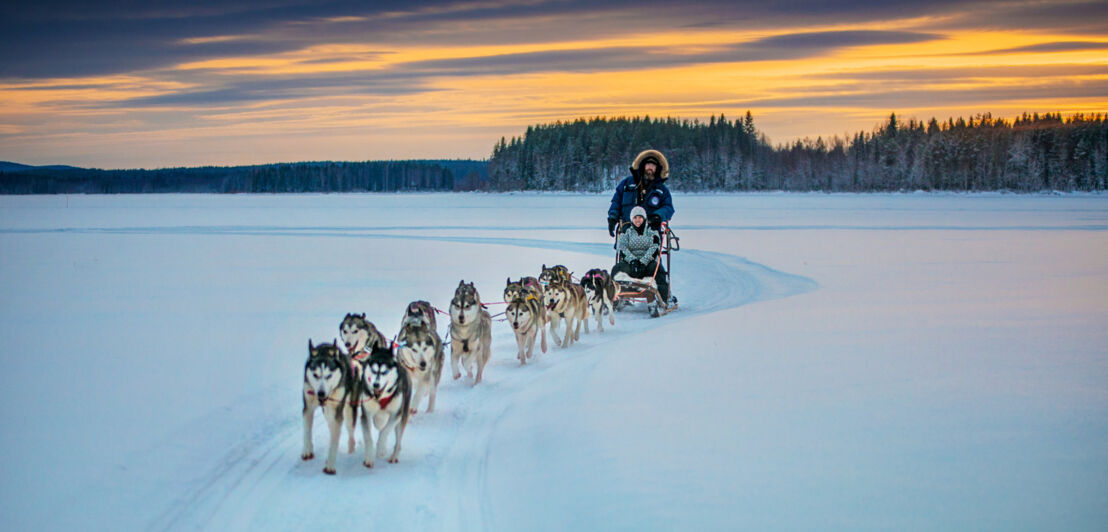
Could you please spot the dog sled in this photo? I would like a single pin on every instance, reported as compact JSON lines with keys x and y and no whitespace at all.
{"x":632,"y":290}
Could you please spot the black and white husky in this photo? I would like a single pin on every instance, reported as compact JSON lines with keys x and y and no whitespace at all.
{"x":600,"y":290}
{"x":420,"y":351}
{"x":525,"y":315}
{"x":326,"y":384}
{"x":386,"y":395}
{"x":359,"y":335}
{"x":470,"y":332}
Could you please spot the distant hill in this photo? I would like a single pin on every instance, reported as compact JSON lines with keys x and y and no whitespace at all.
{"x":7,"y":166}
{"x":314,"y":176}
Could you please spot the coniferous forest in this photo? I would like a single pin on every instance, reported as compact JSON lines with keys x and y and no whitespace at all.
{"x":1032,"y":153}
{"x":368,"y":176}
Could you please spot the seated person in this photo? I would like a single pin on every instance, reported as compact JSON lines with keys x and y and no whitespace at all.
{"x":638,"y":247}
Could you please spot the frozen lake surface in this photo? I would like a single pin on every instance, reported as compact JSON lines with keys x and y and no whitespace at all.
{"x":839,"y":362}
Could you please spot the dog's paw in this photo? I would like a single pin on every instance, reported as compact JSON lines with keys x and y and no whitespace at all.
{"x":307,"y":456}
{"x":329,"y":470}
{"x":394,"y":460}
{"x":411,"y":411}
{"x":457,"y":376}
{"x":368,"y":464}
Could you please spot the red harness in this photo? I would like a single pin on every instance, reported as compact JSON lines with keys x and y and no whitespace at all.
{"x":383,"y":402}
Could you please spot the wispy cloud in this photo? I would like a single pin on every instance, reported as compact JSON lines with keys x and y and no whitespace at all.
{"x":188,"y":81}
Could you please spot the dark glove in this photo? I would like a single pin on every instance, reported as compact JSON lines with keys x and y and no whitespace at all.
{"x":612,"y":222}
{"x":655,"y":221}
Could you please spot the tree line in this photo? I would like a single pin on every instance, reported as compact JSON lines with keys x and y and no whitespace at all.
{"x":368,"y":176}
{"x":1031,"y":153}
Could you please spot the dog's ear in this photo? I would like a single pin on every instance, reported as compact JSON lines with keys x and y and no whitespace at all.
{"x":544,"y":266}
{"x":509,"y":281}
{"x":310,"y":347}
{"x":335,"y":342}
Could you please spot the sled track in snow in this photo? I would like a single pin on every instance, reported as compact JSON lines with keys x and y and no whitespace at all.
{"x":441,"y":480}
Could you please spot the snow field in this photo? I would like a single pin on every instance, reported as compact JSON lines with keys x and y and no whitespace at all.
{"x":911,"y":362}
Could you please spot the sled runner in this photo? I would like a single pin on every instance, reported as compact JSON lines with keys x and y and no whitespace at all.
{"x":645,"y":289}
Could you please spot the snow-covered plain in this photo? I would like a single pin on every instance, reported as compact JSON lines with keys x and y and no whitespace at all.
{"x":891,"y":362}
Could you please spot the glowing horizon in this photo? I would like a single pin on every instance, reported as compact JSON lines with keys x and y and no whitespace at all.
{"x":449,"y":80}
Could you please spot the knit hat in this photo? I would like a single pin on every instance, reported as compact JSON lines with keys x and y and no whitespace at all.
{"x":638,"y":211}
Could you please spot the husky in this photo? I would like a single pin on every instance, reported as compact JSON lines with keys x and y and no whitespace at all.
{"x":525,"y":315}
{"x":523,"y":287}
{"x":387,"y":395}
{"x":554,"y":273}
{"x":359,"y":336}
{"x":470,"y":332}
{"x":566,"y":300}
{"x":419,"y":350}
{"x":419,"y":312}
{"x":600,"y":291}
{"x":327,"y":383}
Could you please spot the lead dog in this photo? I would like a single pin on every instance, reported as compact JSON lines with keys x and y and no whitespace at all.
{"x":566,"y":301}
{"x":420,"y":352}
{"x":326,"y":384}
{"x":470,"y":332}
{"x":387,"y":393}
{"x":600,"y":290}
{"x":525,"y":315}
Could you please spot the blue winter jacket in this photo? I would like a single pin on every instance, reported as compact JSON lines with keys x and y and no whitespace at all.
{"x":656,"y":200}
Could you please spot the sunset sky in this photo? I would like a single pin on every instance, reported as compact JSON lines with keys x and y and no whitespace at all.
{"x":152,"y":83}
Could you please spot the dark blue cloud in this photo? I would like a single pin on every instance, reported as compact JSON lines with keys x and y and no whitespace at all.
{"x":70,"y":38}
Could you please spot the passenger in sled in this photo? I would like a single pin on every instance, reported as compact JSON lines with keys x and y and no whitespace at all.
{"x":638,"y":248}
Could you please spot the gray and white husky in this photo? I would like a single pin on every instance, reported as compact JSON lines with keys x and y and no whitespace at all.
{"x":359,"y":335}
{"x":419,"y":312}
{"x":386,"y":395}
{"x":565,"y":301}
{"x":522,"y":287}
{"x":525,"y":315}
{"x":420,"y":352}
{"x":600,"y":290}
{"x":553,"y":274}
{"x":327,"y":384}
{"x":470,"y":332}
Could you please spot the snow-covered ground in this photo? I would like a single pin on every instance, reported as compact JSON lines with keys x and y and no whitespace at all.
{"x":892,"y":362}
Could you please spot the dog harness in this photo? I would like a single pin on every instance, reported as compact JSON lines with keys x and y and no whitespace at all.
{"x":325,"y":399}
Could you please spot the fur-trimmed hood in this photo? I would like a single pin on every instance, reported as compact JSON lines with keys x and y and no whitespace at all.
{"x":663,"y":164}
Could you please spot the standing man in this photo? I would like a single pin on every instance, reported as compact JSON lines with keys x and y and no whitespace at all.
{"x":646,"y":188}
